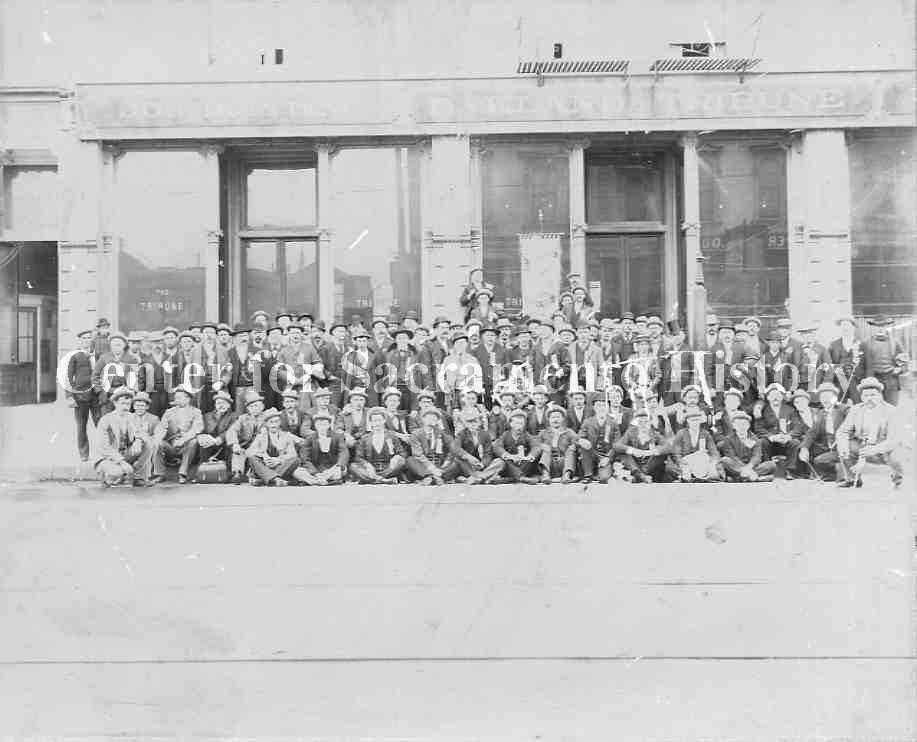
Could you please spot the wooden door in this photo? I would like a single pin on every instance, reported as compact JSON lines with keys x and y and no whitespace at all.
{"x":630,"y":268}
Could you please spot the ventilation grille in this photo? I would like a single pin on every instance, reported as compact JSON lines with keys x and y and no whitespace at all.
{"x":560,"y":66}
{"x":703,"y":64}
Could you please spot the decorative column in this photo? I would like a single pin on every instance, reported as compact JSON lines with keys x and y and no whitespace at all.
{"x":828,"y":290}
{"x":577,"y":172}
{"x":210,"y":187}
{"x":696,"y":294}
{"x":796,"y":219}
{"x":325,"y":256}
{"x":108,"y":242}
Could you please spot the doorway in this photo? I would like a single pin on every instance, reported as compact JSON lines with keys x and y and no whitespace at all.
{"x":627,"y":272}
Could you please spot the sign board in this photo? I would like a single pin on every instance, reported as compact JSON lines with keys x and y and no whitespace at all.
{"x":540,"y":259}
{"x":595,"y":293}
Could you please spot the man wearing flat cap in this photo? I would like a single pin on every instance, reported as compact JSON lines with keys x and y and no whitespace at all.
{"x":81,"y":392}
{"x":431,"y":460}
{"x":871,"y":433}
{"x":473,"y":449}
{"x":743,"y":455}
{"x":211,"y":443}
{"x":176,"y":435}
{"x":123,"y":454}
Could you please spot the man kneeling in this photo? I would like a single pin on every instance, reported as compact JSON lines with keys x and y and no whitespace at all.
{"x":324,"y":455}
{"x":272,"y":455}
{"x":124,"y":454}
{"x":742,"y":453}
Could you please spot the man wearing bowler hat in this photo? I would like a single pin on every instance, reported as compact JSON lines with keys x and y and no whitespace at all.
{"x":848,"y":355}
{"x":885,"y":358}
{"x":401,"y":368}
{"x":123,"y":454}
{"x":100,"y":337}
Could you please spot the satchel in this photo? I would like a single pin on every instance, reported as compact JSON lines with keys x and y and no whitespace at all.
{"x":213,"y":471}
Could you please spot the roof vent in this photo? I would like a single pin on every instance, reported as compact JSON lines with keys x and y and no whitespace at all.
{"x":571,"y":67}
{"x":703,"y":64}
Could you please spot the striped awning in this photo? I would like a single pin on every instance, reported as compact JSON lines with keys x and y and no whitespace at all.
{"x":703,"y":64}
{"x":574,"y":67}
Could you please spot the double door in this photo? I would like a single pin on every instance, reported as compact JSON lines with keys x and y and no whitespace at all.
{"x":630,"y":272}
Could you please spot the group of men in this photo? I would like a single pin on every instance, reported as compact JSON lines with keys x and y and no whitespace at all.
{"x":286,"y":399}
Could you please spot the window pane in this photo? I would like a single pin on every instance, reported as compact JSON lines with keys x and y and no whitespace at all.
{"x":743,"y":228}
{"x":277,"y":197}
{"x":623,"y":187}
{"x":30,"y":199}
{"x":262,"y":280}
{"x":377,"y":241}
{"x":162,"y":230}
{"x":302,"y":277}
{"x":26,"y":336}
{"x":883,"y":224}
{"x":526,"y":190}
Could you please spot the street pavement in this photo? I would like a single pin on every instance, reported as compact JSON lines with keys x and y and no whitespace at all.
{"x":652,"y":612}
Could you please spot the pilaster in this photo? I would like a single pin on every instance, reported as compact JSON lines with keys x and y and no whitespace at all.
{"x":325,"y":256}
{"x":696,"y":294}
{"x":210,"y":188}
{"x":576,"y":149}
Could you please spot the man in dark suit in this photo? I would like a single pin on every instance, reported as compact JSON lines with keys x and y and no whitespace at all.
{"x":743,"y":456}
{"x":848,"y":355}
{"x":596,"y":441}
{"x":577,"y":412}
{"x":211,"y":443}
{"x":521,"y":452}
{"x":773,"y":421}
{"x":493,"y":358}
{"x":474,"y":452}
{"x":83,"y":397}
{"x":324,"y":455}
{"x":819,"y":448}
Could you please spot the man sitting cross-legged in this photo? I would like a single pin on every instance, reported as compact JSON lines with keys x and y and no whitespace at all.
{"x":743,"y":452}
{"x":378,"y":455}
{"x":474,"y":452}
{"x":431,"y":460}
{"x":596,"y":442}
{"x":692,"y":454}
{"x":520,"y":451}
{"x":272,"y":455}
{"x":642,"y":449}
{"x":324,"y":454}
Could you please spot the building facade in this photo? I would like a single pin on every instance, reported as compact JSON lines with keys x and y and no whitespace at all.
{"x":245,"y":164}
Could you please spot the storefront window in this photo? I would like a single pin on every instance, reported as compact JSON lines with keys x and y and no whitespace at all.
{"x":883,"y":224}
{"x":281,"y":274}
{"x":623,"y":187}
{"x":526,"y":191}
{"x":280,"y":196}
{"x":743,"y":228}
{"x":377,"y":237}
{"x":30,"y":198}
{"x":160,"y":224}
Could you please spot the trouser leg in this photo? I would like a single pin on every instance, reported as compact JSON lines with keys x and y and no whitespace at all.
{"x":141,"y":462}
{"x":188,"y":452}
{"x":81,"y":416}
{"x":493,"y":469}
{"x":238,"y":461}
{"x":95,"y":411}
{"x":261,"y":470}
{"x":162,"y":451}
{"x":418,"y":468}
{"x":825,"y":464}
{"x":364,"y":472}
{"x":588,"y":461}
{"x":396,"y":466}
{"x":110,"y":472}
{"x":733,"y":467}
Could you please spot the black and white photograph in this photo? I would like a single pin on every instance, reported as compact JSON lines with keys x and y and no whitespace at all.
{"x":420,"y":370}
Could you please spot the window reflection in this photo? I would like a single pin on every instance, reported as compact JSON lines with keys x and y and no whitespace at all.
{"x":525,"y":190}
{"x":280,"y":274}
{"x":883,"y":224}
{"x":623,"y":187}
{"x":743,"y":228}
{"x":376,"y":201}
{"x":162,"y":234}
{"x":280,"y":196}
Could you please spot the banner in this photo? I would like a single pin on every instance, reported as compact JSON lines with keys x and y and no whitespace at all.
{"x":540,"y":259}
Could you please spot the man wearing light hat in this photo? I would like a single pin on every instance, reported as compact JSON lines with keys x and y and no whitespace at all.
{"x":353,"y":422}
{"x":559,"y":445}
{"x":641,"y":449}
{"x":473,"y":450}
{"x":743,"y":455}
{"x":212,"y":443}
{"x":871,"y":433}
{"x":357,"y":364}
{"x":176,"y":434}
{"x":819,"y":445}
{"x":145,"y":421}
{"x":112,"y":369}
{"x":753,"y":341}
{"x":272,"y":455}
{"x":693,"y":456}
{"x":123,"y":454}
{"x":242,"y":432}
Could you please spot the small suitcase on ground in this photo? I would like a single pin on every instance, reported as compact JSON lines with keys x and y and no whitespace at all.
{"x":213,"y":471}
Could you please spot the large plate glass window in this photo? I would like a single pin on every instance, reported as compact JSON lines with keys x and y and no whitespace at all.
{"x":743,"y":227}
{"x":526,"y":191}
{"x":883,"y":222}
